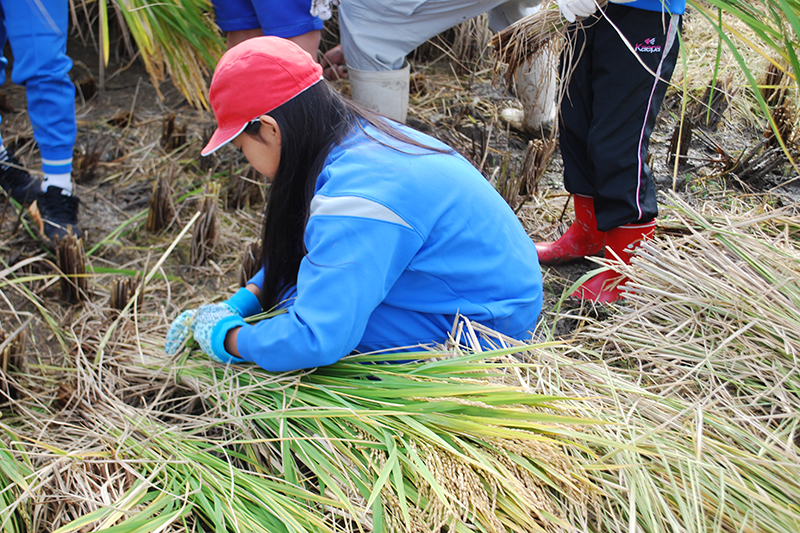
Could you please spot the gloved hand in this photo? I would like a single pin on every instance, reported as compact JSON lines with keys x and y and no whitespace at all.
{"x":572,"y":8}
{"x":178,"y":331}
{"x":244,"y":303}
{"x":211,"y":325}
{"x":322,"y":8}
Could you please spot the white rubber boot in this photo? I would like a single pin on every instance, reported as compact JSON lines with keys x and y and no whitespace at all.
{"x":385,"y":92}
{"x":536,"y":90}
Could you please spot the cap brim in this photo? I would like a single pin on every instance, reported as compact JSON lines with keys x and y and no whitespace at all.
{"x":220,"y":138}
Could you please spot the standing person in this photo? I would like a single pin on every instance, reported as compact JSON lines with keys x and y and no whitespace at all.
{"x":245,"y":19}
{"x":607,"y":116}
{"x":379,"y":234}
{"x":37,"y":32}
{"x":377,"y":35}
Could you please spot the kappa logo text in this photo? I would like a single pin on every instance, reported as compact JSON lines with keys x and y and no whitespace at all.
{"x":649,"y":46}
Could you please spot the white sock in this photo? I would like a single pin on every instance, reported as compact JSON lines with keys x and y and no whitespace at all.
{"x":58,"y":180}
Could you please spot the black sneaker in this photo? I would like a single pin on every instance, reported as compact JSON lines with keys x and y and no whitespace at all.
{"x":18,"y":183}
{"x":58,"y":212}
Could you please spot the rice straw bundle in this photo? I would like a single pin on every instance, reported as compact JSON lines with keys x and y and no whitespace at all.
{"x":150,"y":477}
{"x":421,"y":445}
{"x":698,"y":435}
{"x":717,"y":313}
{"x":444,"y":441}
{"x":521,"y":40}
{"x":673,"y":464}
{"x":356,"y":446}
{"x":100,"y":463}
{"x":177,"y":38}
{"x":13,"y":482}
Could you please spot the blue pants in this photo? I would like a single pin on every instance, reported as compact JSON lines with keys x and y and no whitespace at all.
{"x":280,"y":18}
{"x":37,"y":32}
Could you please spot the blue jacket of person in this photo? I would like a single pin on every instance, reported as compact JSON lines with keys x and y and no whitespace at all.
{"x":399,"y":240}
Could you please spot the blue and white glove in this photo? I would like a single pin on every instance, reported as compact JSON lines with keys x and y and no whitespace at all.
{"x":178,"y":331}
{"x":211,"y":325}
{"x":570,"y":9}
{"x":244,"y":303}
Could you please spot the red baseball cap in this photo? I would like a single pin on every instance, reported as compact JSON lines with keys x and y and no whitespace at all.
{"x":253,"y":78}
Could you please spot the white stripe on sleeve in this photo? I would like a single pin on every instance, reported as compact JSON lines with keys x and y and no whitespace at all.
{"x":354,"y":206}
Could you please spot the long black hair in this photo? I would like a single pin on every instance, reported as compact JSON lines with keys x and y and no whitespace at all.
{"x":311,"y":124}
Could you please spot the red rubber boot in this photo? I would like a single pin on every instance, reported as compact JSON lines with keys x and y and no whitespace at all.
{"x":581,"y":239}
{"x":620,"y":243}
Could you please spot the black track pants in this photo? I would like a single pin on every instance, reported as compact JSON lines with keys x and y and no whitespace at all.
{"x":610,"y":108}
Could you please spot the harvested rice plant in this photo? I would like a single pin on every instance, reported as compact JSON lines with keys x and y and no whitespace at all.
{"x":676,"y":409}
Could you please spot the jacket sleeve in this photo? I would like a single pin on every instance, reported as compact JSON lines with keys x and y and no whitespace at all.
{"x":357,"y":249}
{"x":258,"y":279}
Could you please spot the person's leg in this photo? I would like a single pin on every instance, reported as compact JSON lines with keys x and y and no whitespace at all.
{"x":291,"y":20}
{"x":14,"y":179}
{"x":245,"y":19}
{"x":575,"y":115}
{"x":238,"y":19}
{"x":390,"y":328}
{"x":37,"y":33}
{"x":38,"y":37}
{"x":582,"y":238}
{"x":536,"y":84}
{"x":239,"y":36}
{"x":376,"y":36}
{"x":510,"y":11}
{"x":535,"y":81}
{"x":627,"y":98}
{"x":309,"y":42}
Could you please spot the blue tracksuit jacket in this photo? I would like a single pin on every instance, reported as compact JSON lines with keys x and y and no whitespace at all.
{"x":398,"y":244}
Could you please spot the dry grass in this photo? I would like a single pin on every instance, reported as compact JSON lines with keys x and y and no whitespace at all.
{"x":694,"y":377}
{"x":716,"y":313}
